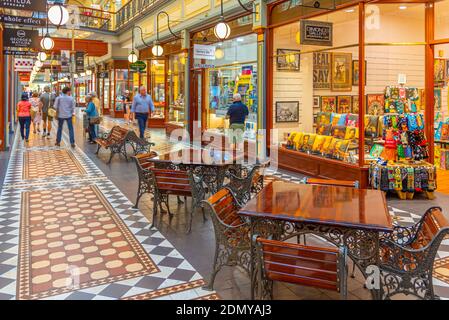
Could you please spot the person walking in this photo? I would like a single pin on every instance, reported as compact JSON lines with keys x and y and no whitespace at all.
{"x":36,"y":108}
{"x":65,"y":108}
{"x":92,"y":114}
{"x":47,"y":100}
{"x":24,"y":115}
{"x":141,"y":108}
{"x":237,"y":114}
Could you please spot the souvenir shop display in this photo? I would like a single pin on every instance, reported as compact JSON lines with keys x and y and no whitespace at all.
{"x":404,"y":179}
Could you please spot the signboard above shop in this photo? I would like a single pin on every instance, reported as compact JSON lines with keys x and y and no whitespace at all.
{"x":28,"y":5}
{"x":20,"y":38}
{"x":29,"y":21}
{"x":19,"y":53}
{"x":138,"y":66}
{"x":202,"y":51}
{"x":316,"y":33}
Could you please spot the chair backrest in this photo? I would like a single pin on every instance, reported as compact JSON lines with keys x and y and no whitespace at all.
{"x":118,"y":134}
{"x":142,"y":160}
{"x":172,"y":181}
{"x":225,"y":206}
{"x":432,"y":223}
{"x":326,"y":182}
{"x":323,"y":268}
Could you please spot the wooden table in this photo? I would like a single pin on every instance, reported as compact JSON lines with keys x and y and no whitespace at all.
{"x":343,"y":216}
{"x":211,"y":164}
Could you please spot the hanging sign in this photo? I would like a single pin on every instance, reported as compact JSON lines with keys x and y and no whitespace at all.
{"x":19,"y":53}
{"x":316,"y":33}
{"x":23,"y":64}
{"x":138,"y":66}
{"x":79,"y":61}
{"x":103,"y":74}
{"x":201,"y":51}
{"x":29,"y":5}
{"x":65,"y":60}
{"x":29,"y":21}
{"x":20,"y":38}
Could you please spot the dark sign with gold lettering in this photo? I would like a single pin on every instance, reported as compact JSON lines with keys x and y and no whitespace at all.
{"x":20,"y":38}
{"x":29,"y":5}
{"x":316,"y":33}
{"x":29,"y":21}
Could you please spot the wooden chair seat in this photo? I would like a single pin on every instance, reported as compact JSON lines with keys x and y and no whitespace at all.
{"x":323,"y":268}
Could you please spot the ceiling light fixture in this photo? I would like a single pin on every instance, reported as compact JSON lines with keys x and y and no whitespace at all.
{"x":157,"y":49}
{"x":58,"y":15}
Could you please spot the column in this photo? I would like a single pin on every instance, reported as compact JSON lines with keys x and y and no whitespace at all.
{"x":259,"y":27}
{"x":3,"y":105}
{"x":186,"y":49}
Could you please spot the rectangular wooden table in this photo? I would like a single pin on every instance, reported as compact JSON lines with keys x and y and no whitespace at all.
{"x":343,"y":216}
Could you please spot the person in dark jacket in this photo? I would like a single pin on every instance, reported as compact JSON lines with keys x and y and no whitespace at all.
{"x":237,"y":114}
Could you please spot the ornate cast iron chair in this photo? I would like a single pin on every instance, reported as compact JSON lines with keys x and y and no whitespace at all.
{"x":180,"y":183}
{"x":408,"y":255}
{"x":232,"y":239}
{"x":242,"y":186}
{"x":323,"y":268}
{"x":145,"y":178}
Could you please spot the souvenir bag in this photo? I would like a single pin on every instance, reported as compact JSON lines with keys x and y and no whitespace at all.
{"x":410,"y":179}
{"x":391,"y":178}
{"x":318,"y":143}
{"x":400,"y":107}
{"x":432,"y":185}
{"x":418,"y":179}
{"x":397,"y":179}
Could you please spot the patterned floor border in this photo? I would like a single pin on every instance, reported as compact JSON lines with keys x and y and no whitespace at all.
{"x":175,"y":273}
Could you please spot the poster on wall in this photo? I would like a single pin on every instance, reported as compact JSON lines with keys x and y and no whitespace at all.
{"x":329,"y":104}
{"x":288,"y":60}
{"x":79,"y":61}
{"x":375,"y":104}
{"x":287,"y":111}
{"x":437,"y":98}
{"x":321,"y":70}
{"x":355,"y":104}
{"x":355,"y":72}
{"x":439,"y":72}
{"x":344,"y":104}
{"x":341,"y":71}
{"x":65,"y":60}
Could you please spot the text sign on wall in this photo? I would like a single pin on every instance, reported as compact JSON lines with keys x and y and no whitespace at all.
{"x":316,"y":33}
{"x":79,"y":61}
{"x":20,"y":38}
{"x":29,"y":21}
{"x":29,"y":5}
{"x":201,"y":51}
{"x":321,"y":70}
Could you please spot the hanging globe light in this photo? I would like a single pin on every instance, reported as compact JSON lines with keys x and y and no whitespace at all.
{"x":219,"y":54}
{"x":88,"y":72}
{"x":58,"y":15}
{"x":39,"y":63}
{"x":132,"y":57}
{"x":157,"y":50}
{"x":222,"y":30}
{"x":47,"y":42}
{"x":42,"y":56}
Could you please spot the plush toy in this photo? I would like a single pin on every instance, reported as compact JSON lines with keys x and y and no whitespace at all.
{"x":390,"y":151}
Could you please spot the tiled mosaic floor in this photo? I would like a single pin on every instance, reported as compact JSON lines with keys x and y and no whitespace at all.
{"x":69,"y":233}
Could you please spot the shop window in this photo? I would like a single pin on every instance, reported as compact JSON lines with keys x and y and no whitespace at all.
{"x":315,"y":88}
{"x":234,"y":70}
{"x":157,"y":83}
{"x":121,"y":85}
{"x":442,"y":19}
{"x":176,"y":89}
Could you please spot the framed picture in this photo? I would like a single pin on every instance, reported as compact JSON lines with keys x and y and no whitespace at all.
{"x":288,"y":60}
{"x":355,"y":104}
{"x":287,"y":111}
{"x":344,"y":104}
{"x":439,"y":72}
{"x":316,"y":102}
{"x":355,"y":72}
{"x":437,"y":99}
{"x":375,"y":104}
{"x":341,"y":72}
{"x":322,"y":70}
{"x":329,"y":104}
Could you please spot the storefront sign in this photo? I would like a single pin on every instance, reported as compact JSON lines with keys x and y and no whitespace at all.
{"x":316,"y":33}
{"x":321,"y":70}
{"x":20,"y":38}
{"x":19,"y":53}
{"x":23,"y":64}
{"x":103,"y":75}
{"x":29,"y":21}
{"x":201,"y":51}
{"x":79,"y":61}
{"x":24,"y":76}
{"x":203,"y":66}
{"x":138,"y":66}
{"x":29,"y":5}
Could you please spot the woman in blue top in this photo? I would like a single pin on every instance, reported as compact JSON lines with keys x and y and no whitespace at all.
{"x":91,"y":112}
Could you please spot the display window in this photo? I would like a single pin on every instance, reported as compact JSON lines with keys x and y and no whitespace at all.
{"x":157,"y":83}
{"x":315,"y":88}
{"x":176,"y":89}
{"x":121,"y":85}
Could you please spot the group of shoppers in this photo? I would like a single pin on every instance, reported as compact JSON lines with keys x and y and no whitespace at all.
{"x":43,"y":107}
